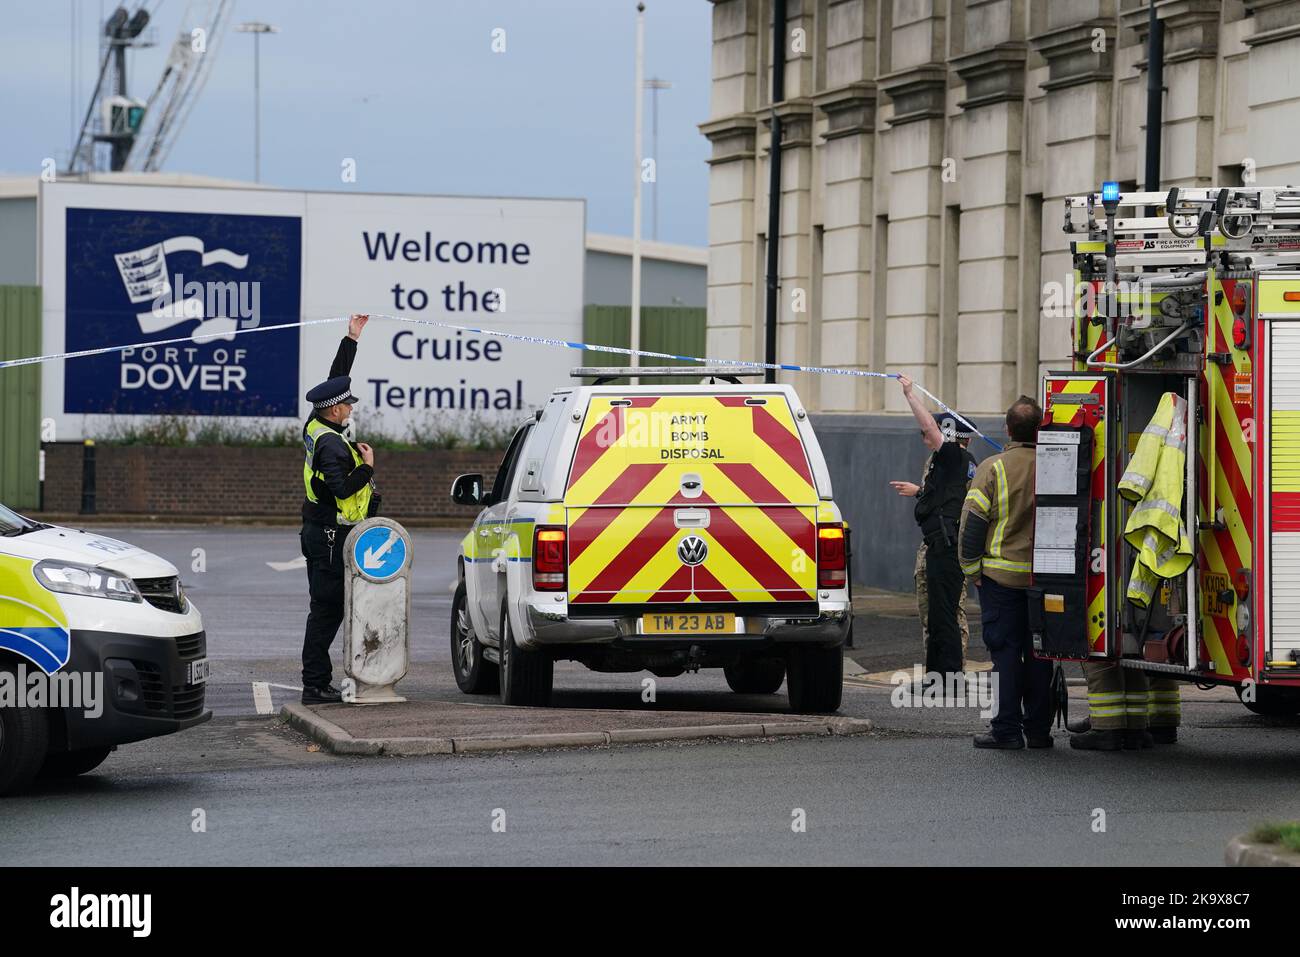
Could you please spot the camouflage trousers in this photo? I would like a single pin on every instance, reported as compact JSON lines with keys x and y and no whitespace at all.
{"x":1127,"y":699}
{"x":923,"y":606}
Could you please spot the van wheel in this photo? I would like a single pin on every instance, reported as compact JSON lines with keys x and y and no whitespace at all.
{"x":474,"y":673}
{"x":815,"y":679}
{"x":68,"y":764}
{"x":755,"y":675}
{"x":526,"y":676}
{"x":24,"y":737}
{"x":1274,"y":702}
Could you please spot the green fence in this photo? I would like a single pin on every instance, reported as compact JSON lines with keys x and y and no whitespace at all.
{"x":676,"y":329}
{"x":20,"y":398}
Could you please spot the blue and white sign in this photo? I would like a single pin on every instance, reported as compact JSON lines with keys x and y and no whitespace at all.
{"x":140,"y":275}
{"x":379,"y":552}
{"x":132,"y":266}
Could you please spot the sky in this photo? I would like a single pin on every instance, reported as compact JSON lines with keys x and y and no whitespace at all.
{"x":411,"y":90}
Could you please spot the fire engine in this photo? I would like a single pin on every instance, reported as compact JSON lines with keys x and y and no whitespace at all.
{"x":1194,"y":292}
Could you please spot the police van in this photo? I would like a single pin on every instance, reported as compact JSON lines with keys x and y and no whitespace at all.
{"x":663,"y":528}
{"x":99,"y":646}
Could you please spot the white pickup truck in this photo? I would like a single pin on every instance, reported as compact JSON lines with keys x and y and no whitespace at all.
{"x":663,"y":528}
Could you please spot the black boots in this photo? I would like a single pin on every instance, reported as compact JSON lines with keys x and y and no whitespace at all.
{"x":326,"y":695}
{"x":1135,"y":740}
{"x":1000,"y":744}
{"x":1098,"y":741}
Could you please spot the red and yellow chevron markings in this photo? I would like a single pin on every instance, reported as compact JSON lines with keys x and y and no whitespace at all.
{"x":1079,"y":414}
{"x":1224,"y":472}
{"x":626,"y":486}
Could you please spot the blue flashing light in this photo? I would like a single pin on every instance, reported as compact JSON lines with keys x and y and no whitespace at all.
{"x":1110,"y":192}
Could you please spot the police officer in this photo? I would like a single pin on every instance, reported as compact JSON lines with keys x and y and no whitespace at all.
{"x":938,"y":512}
{"x":995,"y":548}
{"x":339,"y":479}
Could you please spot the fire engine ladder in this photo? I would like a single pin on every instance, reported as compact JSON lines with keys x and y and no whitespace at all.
{"x":1231,"y":228}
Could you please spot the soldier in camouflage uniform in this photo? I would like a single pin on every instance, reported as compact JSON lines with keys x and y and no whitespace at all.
{"x":911,"y":490}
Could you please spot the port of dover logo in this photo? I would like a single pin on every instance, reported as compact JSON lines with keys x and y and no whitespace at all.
{"x":143,"y":277}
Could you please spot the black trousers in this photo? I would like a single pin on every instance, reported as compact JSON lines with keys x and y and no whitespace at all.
{"x":322,"y":546}
{"x":1021,"y":678}
{"x":947,"y":586}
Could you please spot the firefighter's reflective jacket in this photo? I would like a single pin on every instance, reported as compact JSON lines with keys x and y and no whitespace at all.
{"x":997,"y":520}
{"x":1154,"y":482}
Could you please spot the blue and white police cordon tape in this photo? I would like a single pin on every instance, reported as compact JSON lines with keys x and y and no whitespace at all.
{"x":515,"y":337}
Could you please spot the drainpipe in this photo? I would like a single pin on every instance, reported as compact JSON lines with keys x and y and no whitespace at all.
{"x":1155,"y":95}
{"x":774,"y":188}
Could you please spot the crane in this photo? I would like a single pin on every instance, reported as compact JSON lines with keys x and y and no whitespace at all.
{"x":141,"y":133}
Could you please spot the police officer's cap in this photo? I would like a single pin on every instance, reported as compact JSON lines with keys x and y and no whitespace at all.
{"x":953,"y":426}
{"x":335,"y":391}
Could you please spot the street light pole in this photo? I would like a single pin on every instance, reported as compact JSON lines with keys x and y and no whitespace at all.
{"x":654,"y":85}
{"x":635,"y":360}
{"x":257,"y":28}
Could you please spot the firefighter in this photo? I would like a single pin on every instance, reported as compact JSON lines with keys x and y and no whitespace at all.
{"x":938,"y":512}
{"x":995,"y":545}
{"x":1112,"y":687}
{"x":1126,"y":710}
{"x":339,"y":481}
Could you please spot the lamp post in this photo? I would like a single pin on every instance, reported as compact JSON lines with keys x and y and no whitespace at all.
{"x":634,"y":359}
{"x":654,"y":85}
{"x":257,"y":28}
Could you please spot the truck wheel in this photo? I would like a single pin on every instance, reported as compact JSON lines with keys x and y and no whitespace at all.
{"x":1274,"y":702}
{"x":815,"y":679}
{"x":474,"y":673}
{"x":526,"y":676}
{"x":755,"y":675}
{"x":24,"y":736}
{"x":68,"y":764}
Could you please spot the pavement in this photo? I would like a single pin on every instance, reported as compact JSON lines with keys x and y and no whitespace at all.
{"x":912,"y":790}
{"x":440,"y":727}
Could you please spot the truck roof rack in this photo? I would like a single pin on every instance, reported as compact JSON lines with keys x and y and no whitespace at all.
{"x":607,"y":374}
{"x":1192,"y":226}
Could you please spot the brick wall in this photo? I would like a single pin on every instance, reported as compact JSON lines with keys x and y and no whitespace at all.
{"x":238,"y":482}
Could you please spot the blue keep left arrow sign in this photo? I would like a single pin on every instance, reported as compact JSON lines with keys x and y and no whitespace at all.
{"x":380,"y":552}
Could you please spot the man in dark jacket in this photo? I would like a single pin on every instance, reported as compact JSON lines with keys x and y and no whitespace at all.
{"x":338,"y":477}
{"x":938,"y":512}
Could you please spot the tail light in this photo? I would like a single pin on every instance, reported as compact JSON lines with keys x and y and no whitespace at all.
{"x":1241,"y":583}
{"x":832,"y":557}
{"x":548,"y":558}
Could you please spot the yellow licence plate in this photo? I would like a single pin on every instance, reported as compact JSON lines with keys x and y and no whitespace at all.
{"x":692,"y":623}
{"x":1213,"y":585}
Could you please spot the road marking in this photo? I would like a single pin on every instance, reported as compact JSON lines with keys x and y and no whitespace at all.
{"x":262,"y":695}
{"x":299,"y":562}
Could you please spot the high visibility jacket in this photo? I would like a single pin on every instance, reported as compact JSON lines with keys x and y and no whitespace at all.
{"x":354,"y":507}
{"x":997,"y":519}
{"x":1154,"y":481}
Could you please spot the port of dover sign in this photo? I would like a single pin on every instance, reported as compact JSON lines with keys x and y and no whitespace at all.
{"x":126,"y":264}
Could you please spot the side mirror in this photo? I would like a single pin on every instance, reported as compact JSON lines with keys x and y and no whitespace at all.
{"x":467,"y":489}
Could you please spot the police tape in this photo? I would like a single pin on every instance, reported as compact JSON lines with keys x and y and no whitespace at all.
{"x":514,"y":337}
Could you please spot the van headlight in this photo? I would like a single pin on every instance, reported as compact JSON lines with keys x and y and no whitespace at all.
{"x":72,"y":578}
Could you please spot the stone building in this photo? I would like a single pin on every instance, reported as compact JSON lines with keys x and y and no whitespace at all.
{"x":927,"y":145}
